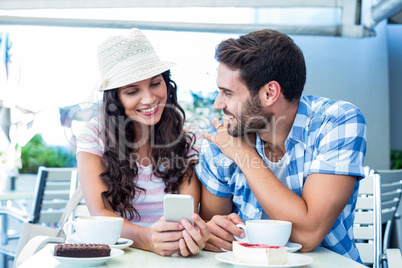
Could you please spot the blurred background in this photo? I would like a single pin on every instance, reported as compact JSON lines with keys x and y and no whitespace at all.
{"x":48,"y":68}
{"x":48,"y":64}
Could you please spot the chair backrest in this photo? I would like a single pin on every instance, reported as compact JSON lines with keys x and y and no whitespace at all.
{"x":391,"y":188}
{"x":81,"y":209}
{"x":368,"y":171}
{"x":367,"y":224}
{"x":52,"y":192}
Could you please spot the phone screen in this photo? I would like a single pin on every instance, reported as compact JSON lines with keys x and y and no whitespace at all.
{"x":177,"y":207}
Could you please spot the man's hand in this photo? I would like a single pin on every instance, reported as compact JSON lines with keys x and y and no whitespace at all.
{"x":221,"y":230}
{"x":228,"y":144}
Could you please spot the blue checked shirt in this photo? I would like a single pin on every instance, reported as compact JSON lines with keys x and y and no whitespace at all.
{"x":327,"y":136}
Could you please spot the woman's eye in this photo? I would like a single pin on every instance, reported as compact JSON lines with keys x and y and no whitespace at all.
{"x":156,"y":84}
{"x":132,"y":92}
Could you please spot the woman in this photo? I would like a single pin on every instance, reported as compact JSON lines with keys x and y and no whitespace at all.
{"x":138,"y":149}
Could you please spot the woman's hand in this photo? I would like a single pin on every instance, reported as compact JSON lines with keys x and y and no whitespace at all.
{"x":165,"y":236}
{"x":194,"y":236}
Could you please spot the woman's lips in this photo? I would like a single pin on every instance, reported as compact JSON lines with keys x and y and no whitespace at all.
{"x":149,"y":111}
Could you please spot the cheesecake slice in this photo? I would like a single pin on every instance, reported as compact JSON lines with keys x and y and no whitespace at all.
{"x":259,"y":253}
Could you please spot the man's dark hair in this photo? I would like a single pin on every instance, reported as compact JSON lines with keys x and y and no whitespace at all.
{"x":264,"y":56}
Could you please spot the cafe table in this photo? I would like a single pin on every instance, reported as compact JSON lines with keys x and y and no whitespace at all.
{"x":24,"y":189}
{"x":322,"y":257}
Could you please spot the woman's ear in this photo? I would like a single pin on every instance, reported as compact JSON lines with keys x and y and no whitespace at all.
{"x":269,"y":93}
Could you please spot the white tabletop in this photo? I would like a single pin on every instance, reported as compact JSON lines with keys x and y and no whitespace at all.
{"x":25,"y":186}
{"x":205,"y":259}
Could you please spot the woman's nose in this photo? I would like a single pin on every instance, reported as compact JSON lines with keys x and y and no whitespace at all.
{"x":148,"y":97}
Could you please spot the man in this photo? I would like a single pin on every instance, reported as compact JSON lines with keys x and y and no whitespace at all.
{"x":278,"y":154}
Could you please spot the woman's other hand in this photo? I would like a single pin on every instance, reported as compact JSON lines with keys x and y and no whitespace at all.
{"x":194,"y":236}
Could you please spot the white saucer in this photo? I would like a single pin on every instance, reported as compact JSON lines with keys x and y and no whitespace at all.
{"x":293,"y":247}
{"x":88,"y":261}
{"x":122,"y":243}
{"x":294,"y":260}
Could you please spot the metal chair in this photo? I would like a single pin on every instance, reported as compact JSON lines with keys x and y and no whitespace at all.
{"x":75,"y":208}
{"x":52,"y":192}
{"x":370,"y":206}
{"x":391,"y":182}
{"x":37,"y":241}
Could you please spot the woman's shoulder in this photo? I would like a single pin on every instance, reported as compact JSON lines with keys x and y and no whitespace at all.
{"x":196,"y":133}
{"x":92,"y":126}
{"x":192,"y":127}
{"x":90,"y":131}
{"x":90,"y":139}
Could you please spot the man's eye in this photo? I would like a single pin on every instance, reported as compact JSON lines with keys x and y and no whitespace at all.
{"x":226,"y":93}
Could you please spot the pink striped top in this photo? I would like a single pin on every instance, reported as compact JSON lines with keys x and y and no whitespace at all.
{"x":149,"y":204}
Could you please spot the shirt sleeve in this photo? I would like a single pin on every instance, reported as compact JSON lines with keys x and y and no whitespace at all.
{"x":342,"y":144}
{"x":214,"y":169}
{"x":89,"y":138}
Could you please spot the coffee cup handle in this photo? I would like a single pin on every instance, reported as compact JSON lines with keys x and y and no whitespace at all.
{"x":243,"y":227}
{"x":71,"y":233}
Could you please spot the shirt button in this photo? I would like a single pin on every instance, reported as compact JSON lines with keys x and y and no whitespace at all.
{"x":257,"y":210}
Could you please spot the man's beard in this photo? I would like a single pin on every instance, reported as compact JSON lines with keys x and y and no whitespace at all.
{"x":252,"y":119}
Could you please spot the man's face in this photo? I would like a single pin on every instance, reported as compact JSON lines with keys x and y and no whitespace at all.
{"x":245,"y":111}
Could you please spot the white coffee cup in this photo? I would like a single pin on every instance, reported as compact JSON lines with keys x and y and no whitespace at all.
{"x":270,"y":232}
{"x":94,"y":230}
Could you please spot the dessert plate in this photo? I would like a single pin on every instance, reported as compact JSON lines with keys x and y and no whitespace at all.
{"x":294,"y":260}
{"x":122,"y":243}
{"x":88,"y":261}
{"x":292,"y":247}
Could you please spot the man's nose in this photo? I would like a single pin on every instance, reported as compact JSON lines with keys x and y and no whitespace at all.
{"x":219,"y":104}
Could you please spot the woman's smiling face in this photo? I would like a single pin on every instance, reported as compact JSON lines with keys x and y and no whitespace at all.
{"x":144,"y":101}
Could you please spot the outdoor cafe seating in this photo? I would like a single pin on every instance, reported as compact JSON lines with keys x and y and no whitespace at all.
{"x":50,"y":196}
{"x":378,"y":199}
{"x":377,"y":205}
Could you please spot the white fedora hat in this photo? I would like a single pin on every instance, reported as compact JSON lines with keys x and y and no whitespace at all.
{"x":124,"y":60}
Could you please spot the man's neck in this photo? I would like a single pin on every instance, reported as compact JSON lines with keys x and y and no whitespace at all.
{"x":280,"y":127}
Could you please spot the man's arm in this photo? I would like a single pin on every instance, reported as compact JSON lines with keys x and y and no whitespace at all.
{"x":212,"y":205}
{"x":313,"y":214}
{"x":216,"y":198}
{"x":324,"y":196}
{"x":221,"y":225}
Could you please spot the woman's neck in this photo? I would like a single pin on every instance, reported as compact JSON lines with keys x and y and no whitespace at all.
{"x":142,"y":141}
{"x":142,"y":133}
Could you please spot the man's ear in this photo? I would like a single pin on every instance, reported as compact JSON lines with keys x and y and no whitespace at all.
{"x":269,"y":93}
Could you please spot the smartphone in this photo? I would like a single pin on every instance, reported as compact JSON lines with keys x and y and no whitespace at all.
{"x":177,"y":207}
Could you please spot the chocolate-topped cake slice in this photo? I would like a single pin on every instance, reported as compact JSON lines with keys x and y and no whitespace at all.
{"x":82,"y":250}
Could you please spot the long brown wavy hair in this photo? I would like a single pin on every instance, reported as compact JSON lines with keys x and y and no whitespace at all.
{"x":169,"y":150}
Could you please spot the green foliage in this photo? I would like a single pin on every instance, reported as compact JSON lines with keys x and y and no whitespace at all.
{"x":396,"y":159}
{"x":206,"y":100}
{"x":35,"y":153}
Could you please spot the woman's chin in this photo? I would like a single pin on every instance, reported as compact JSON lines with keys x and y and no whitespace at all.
{"x":149,"y":122}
